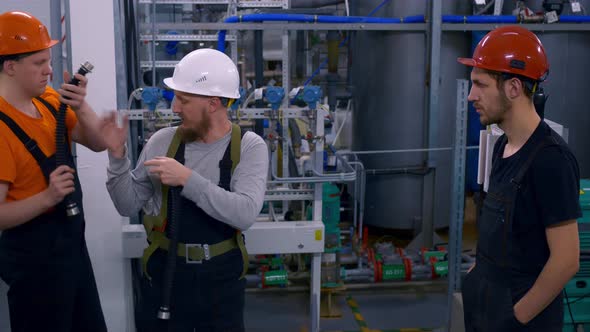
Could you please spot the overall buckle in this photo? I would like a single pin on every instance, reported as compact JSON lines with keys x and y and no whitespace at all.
{"x":204,"y":247}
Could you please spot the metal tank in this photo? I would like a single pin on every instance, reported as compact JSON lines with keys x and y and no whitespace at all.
{"x":389,"y":78}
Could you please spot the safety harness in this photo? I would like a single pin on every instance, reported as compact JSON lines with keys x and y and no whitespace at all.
{"x":155,"y":226}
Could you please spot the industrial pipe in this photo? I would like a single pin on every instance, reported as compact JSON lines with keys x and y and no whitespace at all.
{"x":507,"y":19}
{"x":574,"y":19}
{"x":480,"y":19}
{"x":310,"y":19}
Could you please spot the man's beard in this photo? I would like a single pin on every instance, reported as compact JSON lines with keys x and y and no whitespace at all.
{"x":497,"y":117}
{"x":198,"y":132}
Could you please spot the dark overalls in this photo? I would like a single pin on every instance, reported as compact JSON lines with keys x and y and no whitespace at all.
{"x":205,"y":297}
{"x":45,"y":262}
{"x":498,"y":281}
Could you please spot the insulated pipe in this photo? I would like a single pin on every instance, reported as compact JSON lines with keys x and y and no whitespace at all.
{"x":574,"y":19}
{"x":310,"y":19}
{"x":480,"y":19}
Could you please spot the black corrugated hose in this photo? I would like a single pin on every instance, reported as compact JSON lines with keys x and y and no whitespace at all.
{"x":61,"y":145}
{"x":173,"y":230}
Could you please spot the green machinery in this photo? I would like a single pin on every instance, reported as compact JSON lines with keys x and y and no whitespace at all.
{"x":578,"y":289}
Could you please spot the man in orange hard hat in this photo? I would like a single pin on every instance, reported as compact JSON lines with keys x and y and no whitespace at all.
{"x":43,"y":254}
{"x":528,"y":246}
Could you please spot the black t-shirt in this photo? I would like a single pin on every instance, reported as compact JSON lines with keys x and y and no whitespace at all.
{"x":549,"y":193}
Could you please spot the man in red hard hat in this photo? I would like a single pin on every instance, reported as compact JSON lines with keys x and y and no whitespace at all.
{"x":43,"y":254}
{"x":528,"y":246}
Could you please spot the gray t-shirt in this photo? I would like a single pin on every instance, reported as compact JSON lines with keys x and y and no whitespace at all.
{"x":137,"y":189}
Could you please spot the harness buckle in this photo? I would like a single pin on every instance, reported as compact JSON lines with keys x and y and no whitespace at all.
{"x":204,"y":247}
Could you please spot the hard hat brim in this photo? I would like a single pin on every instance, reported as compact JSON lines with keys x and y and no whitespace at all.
{"x":467,"y":61}
{"x":52,"y":43}
{"x":169,"y":83}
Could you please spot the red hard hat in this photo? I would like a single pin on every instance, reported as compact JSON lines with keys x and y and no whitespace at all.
{"x":511,"y":49}
{"x":22,"y":33}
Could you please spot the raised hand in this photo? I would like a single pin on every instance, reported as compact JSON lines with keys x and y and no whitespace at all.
{"x":113,"y":135}
{"x":75,"y":93}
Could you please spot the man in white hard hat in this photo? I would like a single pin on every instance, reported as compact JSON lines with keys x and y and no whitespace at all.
{"x":222,"y":174}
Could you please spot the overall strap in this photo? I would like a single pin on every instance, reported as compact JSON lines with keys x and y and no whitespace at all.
{"x":29,"y":143}
{"x":158,"y":223}
{"x":48,"y":106}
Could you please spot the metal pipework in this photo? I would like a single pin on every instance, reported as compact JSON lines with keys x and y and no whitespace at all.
{"x":339,"y":177}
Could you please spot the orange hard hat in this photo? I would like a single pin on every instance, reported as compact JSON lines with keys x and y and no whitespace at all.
{"x":513,"y":50}
{"x":22,"y":33}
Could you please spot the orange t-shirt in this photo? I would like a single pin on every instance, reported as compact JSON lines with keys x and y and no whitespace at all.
{"x":17,"y":165}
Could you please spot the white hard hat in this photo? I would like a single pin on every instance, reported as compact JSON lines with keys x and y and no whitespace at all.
{"x":206,"y":72}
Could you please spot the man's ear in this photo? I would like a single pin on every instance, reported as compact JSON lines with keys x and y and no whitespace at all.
{"x":216,"y":103}
{"x":8,"y":67}
{"x":513,"y":88}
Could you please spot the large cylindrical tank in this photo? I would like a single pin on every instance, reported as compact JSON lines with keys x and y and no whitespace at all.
{"x":390,"y":77}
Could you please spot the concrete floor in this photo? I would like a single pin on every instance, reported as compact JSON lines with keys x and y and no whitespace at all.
{"x":381,"y":309}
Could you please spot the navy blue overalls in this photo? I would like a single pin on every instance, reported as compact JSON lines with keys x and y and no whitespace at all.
{"x":45,"y":262}
{"x":490,"y":290}
{"x":207,"y":296}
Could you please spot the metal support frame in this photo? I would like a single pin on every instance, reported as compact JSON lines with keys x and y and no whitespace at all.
{"x":498,"y":7}
{"x":286,"y":68}
{"x":241,"y":3}
{"x":244,"y":114}
{"x":57,"y":62}
{"x":286,"y":26}
{"x":457,"y":195}
{"x":317,"y":215}
{"x":540,"y":27}
{"x":434,"y":40}
{"x":183,"y":37}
